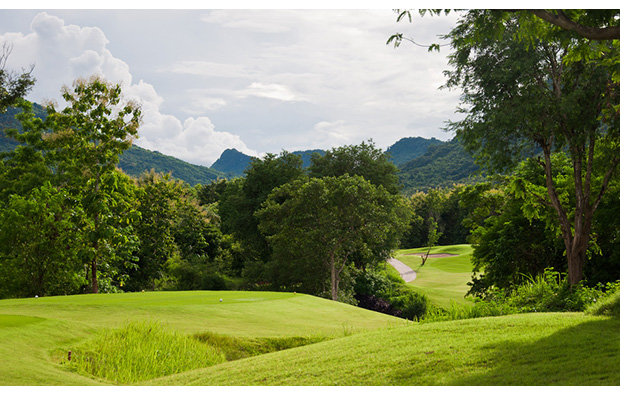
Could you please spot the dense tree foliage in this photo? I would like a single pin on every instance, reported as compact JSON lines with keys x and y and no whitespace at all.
{"x":442,"y":207}
{"x":83,"y":145}
{"x":316,"y":227}
{"x":38,"y":244}
{"x":363,"y":160}
{"x":243,"y":197}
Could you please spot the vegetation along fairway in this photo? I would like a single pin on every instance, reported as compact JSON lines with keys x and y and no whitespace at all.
{"x":444,"y":280}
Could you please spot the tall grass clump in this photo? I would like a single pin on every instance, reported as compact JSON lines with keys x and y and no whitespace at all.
{"x":550,"y":292}
{"x":142,"y":351}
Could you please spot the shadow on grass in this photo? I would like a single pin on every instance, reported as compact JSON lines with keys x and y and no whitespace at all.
{"x":586,"y":354}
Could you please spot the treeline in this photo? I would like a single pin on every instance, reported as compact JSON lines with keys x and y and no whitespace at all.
{"x":72,"y":222}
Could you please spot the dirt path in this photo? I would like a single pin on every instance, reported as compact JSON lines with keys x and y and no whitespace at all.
{"x":405,"y":271}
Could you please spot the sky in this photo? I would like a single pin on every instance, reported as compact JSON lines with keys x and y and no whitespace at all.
{"x":257,"y":80}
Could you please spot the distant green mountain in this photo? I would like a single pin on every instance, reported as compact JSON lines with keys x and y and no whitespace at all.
{"x":232,"y":163}
{"x":136,"y":161}
{"x":443,"y":165}
{"x":307,"y":155}
{"x":409,"y":148}
{"x":423,"y":163}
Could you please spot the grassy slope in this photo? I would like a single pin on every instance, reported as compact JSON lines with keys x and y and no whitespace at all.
{"x":29,"y":346}
{"x":534,"y":349}
{"x":444,"y":280}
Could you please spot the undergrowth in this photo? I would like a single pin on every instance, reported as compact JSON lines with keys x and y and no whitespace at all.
{"x":547,"y":292}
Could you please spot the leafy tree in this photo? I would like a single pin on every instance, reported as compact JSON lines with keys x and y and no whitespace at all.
{"x":156,"y":198}
{"x":526,"y":96}
{"x":315,"y":226}
{"x":357,"y":160}
{"x":38,"y":240}
{"x":243,"y":197}
{"x":86,"y":138}
{"x":433,"y":237}
{"x":441,"y":209}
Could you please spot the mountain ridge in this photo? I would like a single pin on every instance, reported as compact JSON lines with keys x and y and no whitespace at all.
{"x":423,"y":163}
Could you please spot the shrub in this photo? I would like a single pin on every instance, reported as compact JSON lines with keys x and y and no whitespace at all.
{"x":375,"y":303}
{"x":372,"y":282}
{"x":550,"y":291}
{"x":409,"y":304}
{"x":608,"y":305}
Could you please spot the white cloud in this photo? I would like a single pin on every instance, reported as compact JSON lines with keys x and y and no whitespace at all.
{"x":210,"y":69}
{"x":270,"y":91}
{"x":256,"y":21}
{"x":63,"y":53}
{"x":267,"y":79}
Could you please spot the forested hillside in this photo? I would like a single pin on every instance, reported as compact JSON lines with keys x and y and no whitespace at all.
{"x":136,"y":161}
{"x":409,"y":148}
{"x":423,"y":163}
{"x":233,"y":163}
{"x":443,"y":165}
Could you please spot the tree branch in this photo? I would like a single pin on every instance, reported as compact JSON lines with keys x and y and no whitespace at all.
{"x":593,"y":33}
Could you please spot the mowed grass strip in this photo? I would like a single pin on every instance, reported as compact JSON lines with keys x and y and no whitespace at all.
{"x":443,"y":280}
{"x":34,"y":345}
{"x":533,"y":349}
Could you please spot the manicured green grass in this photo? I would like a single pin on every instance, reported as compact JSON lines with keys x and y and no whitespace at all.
{"x":34,"y":344}
{"x":529,"y":349}
{"x":443,"y":280}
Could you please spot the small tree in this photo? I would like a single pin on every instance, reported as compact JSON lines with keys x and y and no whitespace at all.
{"x":433,"y":238}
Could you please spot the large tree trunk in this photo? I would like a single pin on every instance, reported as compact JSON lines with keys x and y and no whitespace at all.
{"x":577,"y":235}
{"x":334,"y":277}
{"x":93,"y":269}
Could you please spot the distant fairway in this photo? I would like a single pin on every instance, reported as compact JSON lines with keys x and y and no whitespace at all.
{"x":444,"y":280}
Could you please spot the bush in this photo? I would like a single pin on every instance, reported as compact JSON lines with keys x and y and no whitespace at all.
{"x":378,"y":291}
{"x":409,"y":304}
{"x":551,"y":292}
{"x":608,"y":305}
{"x":196,"y":274}
{"x":375,"y":303}
{"x":372,"y":282}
